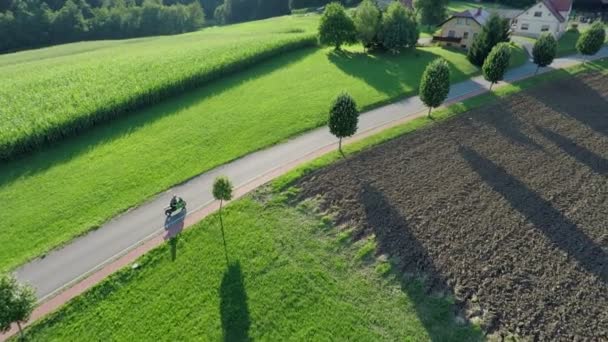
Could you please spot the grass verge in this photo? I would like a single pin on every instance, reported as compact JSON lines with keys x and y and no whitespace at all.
{"x":284,"y":273}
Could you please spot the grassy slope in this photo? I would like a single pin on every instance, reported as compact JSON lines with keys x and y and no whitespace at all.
{"x":43,"y":90}
{"x":275,"y":244}
{"x":290,"y":277}
{"x":78,"y":184}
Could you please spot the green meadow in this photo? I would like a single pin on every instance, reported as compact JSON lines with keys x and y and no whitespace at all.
{"x":51,"y":93}
{"x":285,"y":273}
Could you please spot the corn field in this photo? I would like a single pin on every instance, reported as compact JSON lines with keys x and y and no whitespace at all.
{"x":52,"y":93}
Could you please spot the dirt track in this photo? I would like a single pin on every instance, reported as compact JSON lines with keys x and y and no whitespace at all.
{"x":506,"y":206}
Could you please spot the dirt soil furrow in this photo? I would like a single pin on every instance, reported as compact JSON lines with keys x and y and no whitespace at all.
{"x":505,"y":206}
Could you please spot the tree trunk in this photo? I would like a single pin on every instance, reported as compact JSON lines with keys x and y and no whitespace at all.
{"x":537,"y":67}
{"x":340,"y":147}
{"x":20,"y":331}
{"x":491,"y":85}
{"x":223,"y":237}
{"x":428,"y":115}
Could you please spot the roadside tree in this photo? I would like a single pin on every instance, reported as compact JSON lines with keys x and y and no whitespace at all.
{"x":17,"y":301}
{"x":435,"y":84}
{"x":222,"y":191}
{"x":544,"y":51}
{"x":496,"y":64}
{"x":343,"y":118}
{"x":367,"y":22}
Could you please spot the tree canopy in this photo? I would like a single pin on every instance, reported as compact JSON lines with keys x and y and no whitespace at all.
{"x":17,"y":302}
{"x":399,"y":29}
{"x":222,"y":189}
{"x":592,"y":40}
{"x":544,"y":51}
{"x":343,"y":117}
{"x":367,"y":22}
{"x":435,"y":83}
{"x":496,"y":64}
{"x":496,"y":30}
{"x":431,"y":12}
{"x":336,"y":27}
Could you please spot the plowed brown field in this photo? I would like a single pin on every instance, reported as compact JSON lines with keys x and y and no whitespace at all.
{"x":505,"y":205}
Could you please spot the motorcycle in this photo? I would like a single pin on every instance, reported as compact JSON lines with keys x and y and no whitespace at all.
{"x":179,"y":205}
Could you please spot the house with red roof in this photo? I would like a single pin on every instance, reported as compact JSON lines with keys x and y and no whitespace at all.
{"x":461,"y":28}
{"x":544,"y":16}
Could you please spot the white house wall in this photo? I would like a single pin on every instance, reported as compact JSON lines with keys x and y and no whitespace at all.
{"x":535,"y":24}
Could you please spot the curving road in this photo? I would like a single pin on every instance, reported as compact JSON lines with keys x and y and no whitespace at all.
{"x":66,"y":266}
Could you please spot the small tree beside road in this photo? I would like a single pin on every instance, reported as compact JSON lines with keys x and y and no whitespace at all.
{"x":222,"y":191}
{"x":591,"y":41}
{"x":336,"y":27}
{"x":544,"y":51}
{"x":496,"y":64}
{"x":343,"y":118}
{"x":17,"y":301}
{"x":435,"y":84}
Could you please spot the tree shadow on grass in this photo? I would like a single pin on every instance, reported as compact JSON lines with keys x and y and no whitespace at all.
{"x":388,"y":73}
{"x":395,"y":239}
{"x":595,"y":162}
{"x":550,"y":221}
{"x":233,"y":305}
{"x":578,"y":101}
{"x":69,"y":148}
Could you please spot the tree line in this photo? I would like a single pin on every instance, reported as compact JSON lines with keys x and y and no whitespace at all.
{"x":33,"y":23}
{"x":392,"y":30}
{"x":234,"y":11}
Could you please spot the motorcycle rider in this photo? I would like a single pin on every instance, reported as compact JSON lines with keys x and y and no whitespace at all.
{"x":173,"y":203}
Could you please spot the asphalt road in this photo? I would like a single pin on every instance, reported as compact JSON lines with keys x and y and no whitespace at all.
{"x":64,"y":267}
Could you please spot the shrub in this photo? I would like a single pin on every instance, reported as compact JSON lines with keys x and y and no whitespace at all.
{"x":496,"y":64}
{"x":367,"y":22}
{"x":495,"y":31}
{"x":398,"y":29}
{"x":544,"y":51}
{"x":343,"y":118}
{"x":591,"y":41}
{"x":435,"y":84}
{"x":336,"y":27}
